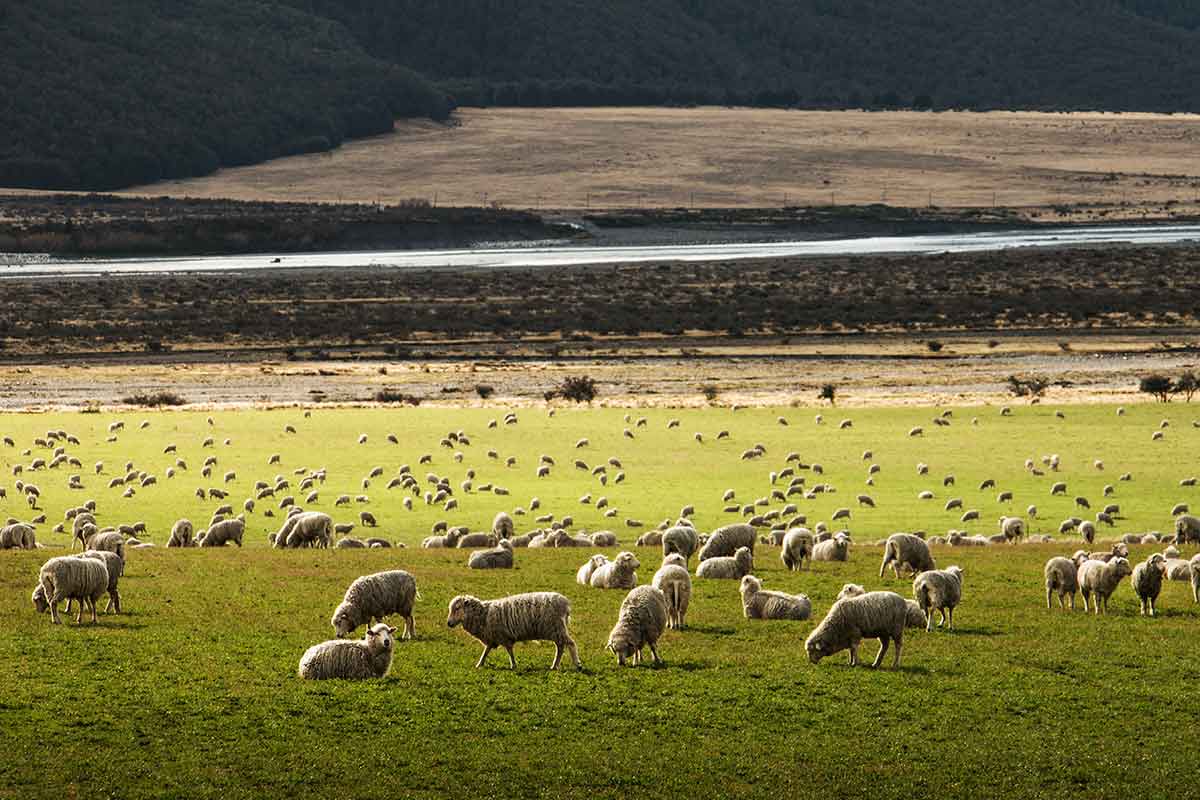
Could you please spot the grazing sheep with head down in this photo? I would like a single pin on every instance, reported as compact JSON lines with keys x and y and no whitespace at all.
{"x":906,"y":550}
{"x":230,"y":530}
{"x":106,"y":540}
{"x":70,"y":578}
{"x":306,"y":529}
{"x":370,"y":598}
{"x":732,"y":567}
{"x":797,"y":546}
{"x":674,"y":581}
{"x":938,"y":590}
{"x":726,"y":540}
{"x":758,"y":603}
{"x":875,"y":615}
{"x":1101,"y":578}
{"x":369,"y":657}
{"x":498,"y":557}
{"x":1061,"y":575}
{"x":1147,"y":579}
{"x":533,"y":616}
{"x":640,"y":622}
{"x":833,"y":549}
{"x":116,"y":568}
{"x":620,"y":573}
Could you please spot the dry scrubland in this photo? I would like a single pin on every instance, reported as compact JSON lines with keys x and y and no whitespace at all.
{"x":720,"y":157}
{"x":192,"y":691}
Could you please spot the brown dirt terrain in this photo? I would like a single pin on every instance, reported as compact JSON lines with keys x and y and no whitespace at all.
{"x":571,"y":158}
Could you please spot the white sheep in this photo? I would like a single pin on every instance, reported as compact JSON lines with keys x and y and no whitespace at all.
{"x":681,"y":539}
{"x":726,"y":540}
{"x":369,"y":657}
{"x":604,"y":539}
{"x":1147,"y":579}
{"x":583,"y":576}
{"x":502,"y":526}
{"x":620,"y":573}
{"x":836,"y":548}
{"x":70,"y":578}
{"x":732,"y":567}
{"x":674,"y":581}
{"x":1012,"y":528}
{"x":181,"y":534}
{"x":1187,"y":529}
{"x":498,"y":557}
{"x":640,"y":622}
{"x":370,"y":598}
{"x":1195,"y":575}
{"x":1101,"y":578}
{"x":797,"y":546}
{"x":18,"y":536}
{"x":940,"y":590}
{"x":881,"y":615}
{"x":218,"y":535}
{"x":1061,"y":577}
{"x":469,"y":540}
{"x":758,"y":603}
{"x":116,"y":568}
{"x":906,"y":550}
{"x":533,"y":616}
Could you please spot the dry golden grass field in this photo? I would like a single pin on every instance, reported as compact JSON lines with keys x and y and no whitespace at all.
{"x":734,"y":157}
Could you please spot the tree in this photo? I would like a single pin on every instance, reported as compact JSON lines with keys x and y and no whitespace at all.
{"x":1187,"y":384}
{"x":1158,"y":385}
{"x":1032,"y":387}
{"x":709,"y":391}
{"x":828,"y":392}
{"x":578,"y":388}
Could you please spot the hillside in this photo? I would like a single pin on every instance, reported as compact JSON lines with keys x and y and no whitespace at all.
{"x":102,"y":95}
{"x":1070,"y":54}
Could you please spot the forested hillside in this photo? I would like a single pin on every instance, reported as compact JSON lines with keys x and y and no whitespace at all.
{"x":102,"y":95}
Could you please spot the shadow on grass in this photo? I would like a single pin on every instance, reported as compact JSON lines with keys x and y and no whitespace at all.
{"x":967,"y":631}
{"x":714,"y":630}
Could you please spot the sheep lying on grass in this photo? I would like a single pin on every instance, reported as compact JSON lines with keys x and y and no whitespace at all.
{"x":728,"y":567}
{"x":640,"y":622}
{"x":369,"y":657}
{"x":758,"y":603}
{"x":835,"y":549}
{"x":674,"y":581}
{"x":1061,"y":578}
{"x":881,"y":615}
{"x":940,"y":590}
{"x":70,"y":578}
{"x":533,"y":616}
{"x":18,"y":536}
{"x":620,"y":573}
{"x":498,"y":557}
{"x":583,"y":576}
{"x":370,"y":598}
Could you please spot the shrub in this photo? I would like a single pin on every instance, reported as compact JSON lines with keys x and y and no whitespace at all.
{"x":709,"y":391}
{"x":154,"y":400}
{"x":1158,"y":385}
{"x":390,"y":396}
{"x":1033,"y":387}
{"x":828,"y":392}
{"x":1187,"y":384}
{"x":934,"y":346}
{"x":576,"y":388}
{"x":484,"y":391}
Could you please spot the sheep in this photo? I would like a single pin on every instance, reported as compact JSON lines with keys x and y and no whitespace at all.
{"x":499,"y":557}
{"x":620,"y":573}
{"x":674,"y":581}
{"x":797,"y":546}
{"x":1146,"y":580}
{"x":604,"y":539}
{"x":106,"y":540}
{"x":881,"y":615}
{"x":369,"y":657}
{"x":727,"y":567}
{"x":350,"y":543}
{"x":373,"y":597}
{"x":181,"y":534}
{"x":584,"y":574}
{"x":469,"y":540}
{"x":1012,"y":528}
{"x":940,"y":590}
{"x":502,"y":526}
{"x":835,"y":549}
{"x":18,"y":536}
{"x":67,"y":578}
{"x":1194,"y":565}
{"x":726,"y":540}
{"x":906,"y":550}
{"x":116,"y":568}
{"x":218,"y":535}
{"x":533,"y":616}
{"x":1187,"y":529}
{"x":1101,"y":579}
{"x":640,"y":622}
{"x":1061,"y":575}
{"x":760,"y":604}
{"x":682,"y":540}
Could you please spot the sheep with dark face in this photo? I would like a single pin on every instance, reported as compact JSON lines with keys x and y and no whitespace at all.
{"x":369,"y":657}
{"x":1147,"y":580}
{"x":797,"y":546}
{"x":533,"y":616}
{"x":874,"y":615}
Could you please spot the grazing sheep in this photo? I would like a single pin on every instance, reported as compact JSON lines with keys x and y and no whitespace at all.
{"x":1147,"y":581}
{"x":620,"y":573}
{"x":674,"y":581}
{"x":640,"y":622}
{"x":70,"y":578}
{"x":106,"y":540}
{"x":1101,"y":578}
{"x":498,"y":557}
{"x":18,"y":536}
{"x":373,"y":597}
{"x":938,"y":590}
{"x":1187,"y":529}
{"x":181,"y":534}
{"x":797,"y":546}
{"x":534,"y":616}
{"x":760,"y":604}
{"x":732,"y":567}
{"x":682,"y":540}
{"x":881,"y":615}
{"x":1061,"y":575}
{"x":834,"y":549}
{"x":369,"y":657}
{"x":502,"y":526}
{"x":584,"y":574}
{"x":116,"y":568}
{"x":906,"y":550}
{"x":726,"y":540}
{"x":230,"y":530}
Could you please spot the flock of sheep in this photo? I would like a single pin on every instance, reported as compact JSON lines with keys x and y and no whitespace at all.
{"x":647,"y":611}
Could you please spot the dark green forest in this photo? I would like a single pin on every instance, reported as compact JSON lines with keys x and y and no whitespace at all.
{"x":103,"y":95}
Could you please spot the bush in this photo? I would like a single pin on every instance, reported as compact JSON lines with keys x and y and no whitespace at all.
{"x":709,"y":391}
{"x":1158,"y":385}
{"x":828,"y":392}
{"x":1187,"y":384}
{"x":389,"y":396}
{"x":934,"y":346}
{"x":154,"y":400}
{"x":484,"y":391}
{"x":1033,"y":387}
{"x":577,"y":388}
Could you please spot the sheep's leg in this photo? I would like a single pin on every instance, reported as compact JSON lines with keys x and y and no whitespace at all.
{"x":487,"y":648}
{"x":654,"y":652}
{"x":574,"y":653}
{"x":512,"y":660}
{"x":79,"y":611}
{"x":115,"y":597}
{"x":928,"y":619}
{"x":1072,"y":601}
{"x":883,"y":648}
{"x":896,"y":660}
{"x":1049,"y":595}
{"x":558,"y":650}
{"x":92,"y":605}
{"x":1152,"y":606}
{"x":410,"y":627}
{"x":1085,"y":602}
{"x":950,"y":618}
{"x":854,"y":654}
{"x":57,"y":620}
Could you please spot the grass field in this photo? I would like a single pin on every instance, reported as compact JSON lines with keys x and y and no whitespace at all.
{"x":192,"y":692}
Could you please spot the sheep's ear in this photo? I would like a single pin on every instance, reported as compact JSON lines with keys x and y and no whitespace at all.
{"x":391,"y":629}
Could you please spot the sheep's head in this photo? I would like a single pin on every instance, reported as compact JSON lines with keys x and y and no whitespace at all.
{"x":343,"y":620}
{"x":380,"y":638}
{"x":750,"y":585}
{"x":1121,"y":550}
{"x":1156,"y":561}
{"x":1121,"y":566}
{"x":505,"y":544}
{"x":40,"y":603}
{"x":817,"y":648}
{"x":744,"y":557}
{"x":851,"y":590}
{"x":956,"y":571}
{"x":674,"y":560}
{"x":459,"y":607}
{"x":627,"y":560}
{"x":598,"y":560}
{"x":622,"y":647}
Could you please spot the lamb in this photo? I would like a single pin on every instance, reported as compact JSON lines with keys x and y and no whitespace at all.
{"x":369,"y":657}
{"x":881,"y":615}
{"x":1101,"y":579}
{"x":1187,"y":529}
{"x":682,"y":540}
{"x":640,"y":622}
{"x":673,"y":580}
{"x":1061,"y":576}
{"x":18,"y":536}
{"x":620,"y":573}
{"x":499,"y":557}
{"x":797,"y":546}
{"x":758,"y":603}
{"x":1147,"y":579}
{"x":584,"y":575}
{"x":940,"y":590}
{"x":906,"y":550}
{"x":181,"y":534}
{"x":502,"y":526}
{"x":835,"y":549}
{"x":230,"y":530}
{"x":67,"y":578}
{"x":732,"y":567}
{"x":533,"y":616}
{"x":725,"y":541}
{"x":370,"y":598}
